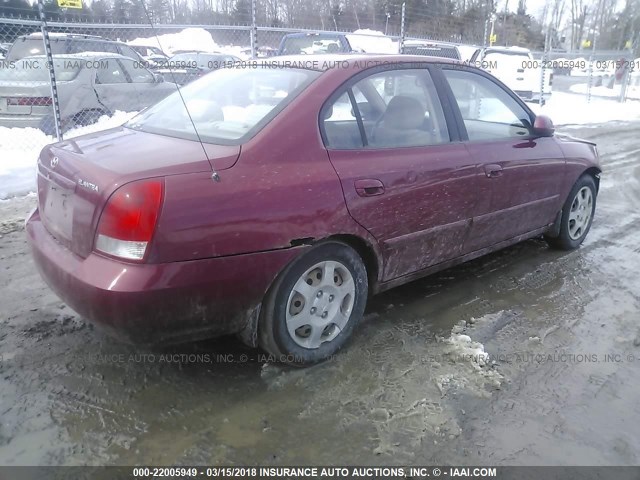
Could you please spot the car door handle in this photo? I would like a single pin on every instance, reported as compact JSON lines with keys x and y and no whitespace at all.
{"x":369,"y":187}
{"x":492,"y":170}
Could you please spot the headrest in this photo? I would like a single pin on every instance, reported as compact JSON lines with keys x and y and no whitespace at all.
{"x":403,"y":112}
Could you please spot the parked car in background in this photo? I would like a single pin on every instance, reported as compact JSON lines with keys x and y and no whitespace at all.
{"x":360,"y":41}
{"x":67,"y":43}
{"x":186,"y":67}
{"x":431,"y":49}
{"x":312,"y":189}
{"x":265,"y":52}
{"x":517,"y":68}
{"x":314,"y":43}
{"x":153,"y":55}
{"x":89,"y":85}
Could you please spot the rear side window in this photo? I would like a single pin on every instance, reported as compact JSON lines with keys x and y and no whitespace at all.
{"x":396,"y":108}
{"x":26,"y":47}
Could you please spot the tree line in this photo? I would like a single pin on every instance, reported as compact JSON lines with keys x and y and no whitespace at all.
{"x":571,"y":24}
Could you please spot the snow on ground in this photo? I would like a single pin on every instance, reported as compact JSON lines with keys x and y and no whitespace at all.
{"x":570,"y":109}
{"x":474,"y":367}
{"x":20,"y":147}
{"x":633,"y":91}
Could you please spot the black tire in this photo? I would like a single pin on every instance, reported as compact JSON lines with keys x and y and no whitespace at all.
{"x":565,"y":241}
{"x":273,"y":334}
{"x":85,"y":118}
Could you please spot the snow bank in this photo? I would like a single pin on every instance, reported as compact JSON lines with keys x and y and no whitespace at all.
{"x":20,"y":147}
{"x":571,"y":109}
{"x":372,"y":41}
{"x":188,"y":39}
{"x":473,"y":368}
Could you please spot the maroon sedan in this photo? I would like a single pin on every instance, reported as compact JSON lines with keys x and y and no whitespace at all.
{"x":270,"y":201}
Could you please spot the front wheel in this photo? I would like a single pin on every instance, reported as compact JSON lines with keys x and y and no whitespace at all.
{"x":577,"y":215}
{"x":314,"y":305}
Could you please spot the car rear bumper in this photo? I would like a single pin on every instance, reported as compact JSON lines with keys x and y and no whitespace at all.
{"x":20,"y":121}
{"x":157,"y":303}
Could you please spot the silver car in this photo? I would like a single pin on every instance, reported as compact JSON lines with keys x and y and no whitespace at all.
{"x":89,"y":85}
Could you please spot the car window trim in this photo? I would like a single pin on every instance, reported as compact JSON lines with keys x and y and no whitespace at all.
{"x":351,"y":81}
{"x":133,"y":64}
{"x":497,"y":82}
{"x":453,"y":118}
{"x":356,"y":113}
{"x":124,"y":70}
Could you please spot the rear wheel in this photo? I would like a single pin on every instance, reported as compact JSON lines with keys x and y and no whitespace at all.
{"x":314,"y":306}
{"x":86,"y":117}
{"x":577,"y":215}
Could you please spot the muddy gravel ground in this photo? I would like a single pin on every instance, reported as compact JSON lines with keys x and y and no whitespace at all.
{"x":527,"y":356}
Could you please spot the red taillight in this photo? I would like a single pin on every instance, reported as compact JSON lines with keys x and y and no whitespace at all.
{"x":29,"y":101}
{"x":129,"y":219}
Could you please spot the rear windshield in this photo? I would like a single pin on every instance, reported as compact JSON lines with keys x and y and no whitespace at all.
{"x":35,"y":70}
{"x":227,"y":106}
{"x":26,"y":47}
{"x":433,"y":51}
{"x":311,"y":45}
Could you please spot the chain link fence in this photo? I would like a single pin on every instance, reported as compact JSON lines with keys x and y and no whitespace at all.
{"x":106,"y":72}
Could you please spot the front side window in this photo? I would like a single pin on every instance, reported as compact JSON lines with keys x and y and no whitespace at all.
{"x":488,"y":111}
{"x":128,"y":52}
{"x":228,"y":106}
{"x":110,"y":72}
{"x":137,"y":73}
{"x":397,"y":108}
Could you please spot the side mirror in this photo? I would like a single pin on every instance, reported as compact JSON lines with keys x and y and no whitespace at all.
{"x":543,"y":126}
{"x":158,"y":78}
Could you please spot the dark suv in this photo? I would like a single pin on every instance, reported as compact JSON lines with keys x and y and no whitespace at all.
{"x":67,"y":43}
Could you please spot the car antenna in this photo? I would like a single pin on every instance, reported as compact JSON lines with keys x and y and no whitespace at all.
{"x":214,"y":175}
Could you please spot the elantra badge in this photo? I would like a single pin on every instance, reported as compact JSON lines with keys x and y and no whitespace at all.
{"x":87,"y":185}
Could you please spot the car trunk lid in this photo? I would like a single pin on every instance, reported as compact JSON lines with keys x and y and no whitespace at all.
{"x":76,"y":177}
{"x":19,"y":99}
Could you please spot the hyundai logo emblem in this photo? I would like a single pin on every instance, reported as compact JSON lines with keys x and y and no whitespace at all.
{"x":54,"y":162}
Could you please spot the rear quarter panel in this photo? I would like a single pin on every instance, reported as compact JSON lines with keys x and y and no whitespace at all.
{"x":281,"y":192}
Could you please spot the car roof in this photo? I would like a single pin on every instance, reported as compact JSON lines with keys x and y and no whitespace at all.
{"x":509,"y":49}
{"x":314,"y":34}
{"x":324,"y":62}
{"x":79,"y":36}
{"x":81,"y":56}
